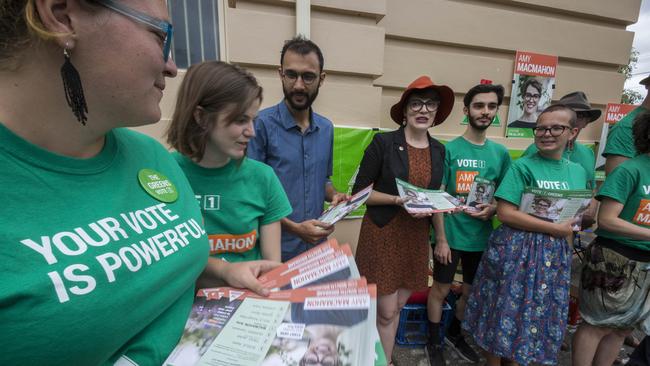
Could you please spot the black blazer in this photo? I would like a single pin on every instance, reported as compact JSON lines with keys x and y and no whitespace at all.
{"x":385,"y":159}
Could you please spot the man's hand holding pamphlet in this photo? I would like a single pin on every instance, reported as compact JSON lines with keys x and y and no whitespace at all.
{"x":319,"y":310}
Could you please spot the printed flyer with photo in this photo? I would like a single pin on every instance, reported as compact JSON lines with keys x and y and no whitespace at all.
{"x":333,"y":322}
{"x":532,"y":90}
{"x":556,"y":205}
{"x":421,"y":200}
{"x":481,"y":192}
{"x":336,"y":213}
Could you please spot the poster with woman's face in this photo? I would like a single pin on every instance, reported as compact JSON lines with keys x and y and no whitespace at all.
{"x":532,"y":90}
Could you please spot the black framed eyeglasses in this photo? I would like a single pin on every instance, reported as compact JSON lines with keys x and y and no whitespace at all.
{"x":431,"y":106}
{"x":292,"y":76}
{"x":555,"y":130}
{"x":530,"y":96}
{"x":158,"y":24}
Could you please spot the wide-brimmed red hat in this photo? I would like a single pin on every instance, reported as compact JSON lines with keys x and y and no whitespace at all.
{"x":422,"y":83}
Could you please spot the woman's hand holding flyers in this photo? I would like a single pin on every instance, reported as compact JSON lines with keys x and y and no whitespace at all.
{"x":244,"y":274}
{"x":339,"y":198}
{"x":442,"y":253}
{"x":399,"y":201}
{"x":486,"y":211}
{"x":564,"y":229}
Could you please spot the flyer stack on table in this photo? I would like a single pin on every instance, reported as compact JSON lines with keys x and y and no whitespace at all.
{"x":319,"y":310}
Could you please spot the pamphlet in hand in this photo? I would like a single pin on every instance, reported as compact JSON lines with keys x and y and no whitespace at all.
{"x":555,"y":205}
{"x":322,"y":321}
{"x":423,"y":200}
{"x":336,"y":213}
{"x":481,"y":192}
{"x":335,"y":266}
{"x":233,"y":327}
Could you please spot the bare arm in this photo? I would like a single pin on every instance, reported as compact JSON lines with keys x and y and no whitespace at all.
{"x":332,"y":196}
{"x":613,"y":161}
{"x":379,"y":198}
{"x":608,"y":220}
{"x":270,"y":239}
{"x":511,"y":216}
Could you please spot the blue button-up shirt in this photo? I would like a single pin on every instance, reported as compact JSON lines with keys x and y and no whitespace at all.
{"x":302,"y":161}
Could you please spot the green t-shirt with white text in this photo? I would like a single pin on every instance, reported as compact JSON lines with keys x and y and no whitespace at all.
{"x":94,"y":268}
{"x":464,"y":161}
{"x":629,"y":184}
{"x":619,"y":138}
{"x":236,"y":201}
{"x":580,"y":154}
{"x":539,"y":172}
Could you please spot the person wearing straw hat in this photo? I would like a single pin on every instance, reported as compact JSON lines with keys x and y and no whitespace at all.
{"x":393,"y":244}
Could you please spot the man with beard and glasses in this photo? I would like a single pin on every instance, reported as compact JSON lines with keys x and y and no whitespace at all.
{"x":297,"y":144}
{"x":467,"y":157}
{"x":577,"y":152}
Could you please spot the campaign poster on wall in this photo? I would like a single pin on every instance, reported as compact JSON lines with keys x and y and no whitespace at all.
{"x":613,"y":113}
{"x":532,"y":90}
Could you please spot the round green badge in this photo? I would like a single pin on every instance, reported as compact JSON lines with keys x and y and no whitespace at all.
{"x":157,"y":185}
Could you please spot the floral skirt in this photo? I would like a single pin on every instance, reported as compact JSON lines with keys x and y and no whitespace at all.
{"x":520,"y":296}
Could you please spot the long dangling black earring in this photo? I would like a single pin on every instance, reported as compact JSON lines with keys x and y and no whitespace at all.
{"x":74,"y":93}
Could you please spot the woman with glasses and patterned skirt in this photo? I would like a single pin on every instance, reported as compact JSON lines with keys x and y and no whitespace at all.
{"x":520,"y":297}
{"x":101,"y":239}
{"x":393,"y":247}
{"x":615,"y":279}
{"x":242,"y":200}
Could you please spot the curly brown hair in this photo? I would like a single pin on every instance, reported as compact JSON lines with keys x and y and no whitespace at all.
{"x":641,"y":132}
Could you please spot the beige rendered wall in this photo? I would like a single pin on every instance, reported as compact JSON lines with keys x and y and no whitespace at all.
{"x":374,"y":48}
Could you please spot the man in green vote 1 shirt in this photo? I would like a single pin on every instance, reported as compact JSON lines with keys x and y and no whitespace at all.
{"x":467,"y":157}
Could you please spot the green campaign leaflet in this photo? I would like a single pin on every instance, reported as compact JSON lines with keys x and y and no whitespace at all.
{"x":421,"y":200}
{"x":555,"y":205}
{"x":481,"y":192}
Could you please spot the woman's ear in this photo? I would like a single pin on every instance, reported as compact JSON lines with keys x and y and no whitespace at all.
{"x":55,"y":15}
{"x":198,"y":115}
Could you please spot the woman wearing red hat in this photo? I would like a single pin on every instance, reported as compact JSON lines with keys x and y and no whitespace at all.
{"x":393,"y":248}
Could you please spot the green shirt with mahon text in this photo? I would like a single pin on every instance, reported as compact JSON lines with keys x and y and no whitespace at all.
{"x":629,"y":184}
{"x":464,"y":161}
{"x":580,"y":154}
{"x":539,"y":172}
{"x":619,"y":137}
{"x":236,"y":201}
{"x":95,"y":270}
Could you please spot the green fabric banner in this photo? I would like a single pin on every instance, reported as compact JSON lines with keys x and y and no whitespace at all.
{"x":349,"y":146}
